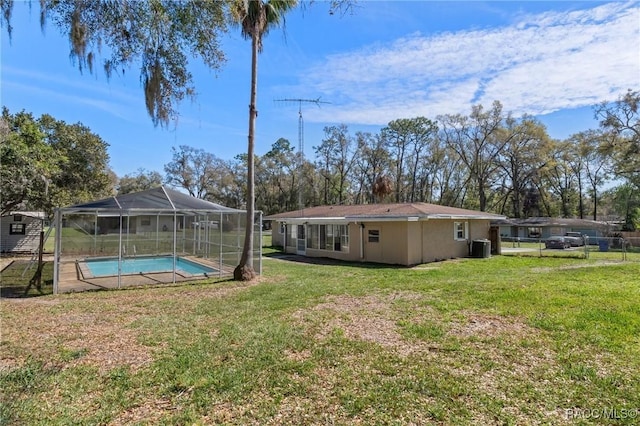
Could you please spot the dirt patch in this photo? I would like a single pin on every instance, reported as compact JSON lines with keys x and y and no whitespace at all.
{"x":483,"y":325}
{"x":148,"y":412}
{"x":85,"y":339}
{"x":368,"y":318}
{"x":298,"y":356}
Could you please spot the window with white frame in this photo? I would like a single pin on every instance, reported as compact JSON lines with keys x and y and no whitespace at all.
{"x":460,"y":230}
{"x":312,"y":236}
{"x":328,"y":237}
{"x":292,"y":235}
{"x":17,"y":229}
{"x":344,"y":238}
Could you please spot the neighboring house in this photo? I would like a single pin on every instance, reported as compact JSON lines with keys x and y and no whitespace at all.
{"x":403,"y":234}
{"x":20,"y":231}
{"x":544,"y":227}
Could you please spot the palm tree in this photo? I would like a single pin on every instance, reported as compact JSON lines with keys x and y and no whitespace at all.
{"x":255,"y":17}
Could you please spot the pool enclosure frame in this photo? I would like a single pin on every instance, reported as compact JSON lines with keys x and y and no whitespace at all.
{"x":156,"y":222}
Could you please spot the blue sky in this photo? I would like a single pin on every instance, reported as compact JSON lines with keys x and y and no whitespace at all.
{"x":384,"y":61}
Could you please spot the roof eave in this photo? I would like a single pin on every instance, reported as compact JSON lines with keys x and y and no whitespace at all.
{"x":402,"y":218}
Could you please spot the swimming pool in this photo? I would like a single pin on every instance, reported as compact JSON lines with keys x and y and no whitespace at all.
{"x":105,"y":267}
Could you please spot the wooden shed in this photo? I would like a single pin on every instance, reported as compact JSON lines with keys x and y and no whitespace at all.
{"x":20,"y":231}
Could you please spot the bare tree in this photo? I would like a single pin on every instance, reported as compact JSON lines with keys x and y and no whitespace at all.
{"x":478,"y":141}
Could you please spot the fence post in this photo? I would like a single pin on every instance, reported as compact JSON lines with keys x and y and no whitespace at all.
{"x":540,"y":246}
{"x":585,"y":240}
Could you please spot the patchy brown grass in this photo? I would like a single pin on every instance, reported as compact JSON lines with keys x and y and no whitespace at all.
{"x":102,"y":337}
{"x":319,"y":346}
{"x":367,"y":318}
{"x":493,"y":351}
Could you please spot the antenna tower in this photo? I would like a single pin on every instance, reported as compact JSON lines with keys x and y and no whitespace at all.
{"x":300,"y":101}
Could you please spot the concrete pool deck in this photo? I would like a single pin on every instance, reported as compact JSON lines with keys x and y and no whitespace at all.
{"x":71,"y":280}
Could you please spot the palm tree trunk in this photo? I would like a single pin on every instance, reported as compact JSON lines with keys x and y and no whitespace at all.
{"x":244,"y":271}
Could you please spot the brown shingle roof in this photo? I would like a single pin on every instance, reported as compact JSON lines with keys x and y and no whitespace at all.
{"x":383,"y":211}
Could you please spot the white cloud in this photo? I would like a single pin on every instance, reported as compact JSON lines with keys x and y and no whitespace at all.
{"x":98,"y":96}
{"x":540,"y":64}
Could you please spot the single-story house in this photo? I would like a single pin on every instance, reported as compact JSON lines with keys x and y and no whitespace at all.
{"x":544,"y":227}
{"x":402,"y":234}
{"x":20,"y":231}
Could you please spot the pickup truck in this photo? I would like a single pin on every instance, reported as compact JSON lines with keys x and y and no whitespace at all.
{"x":574,"y":238}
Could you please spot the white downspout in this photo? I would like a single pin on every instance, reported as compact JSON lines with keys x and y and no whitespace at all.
{"x":284,"y":244}
{"x":421,"y":241}
{"x":361,"y":226}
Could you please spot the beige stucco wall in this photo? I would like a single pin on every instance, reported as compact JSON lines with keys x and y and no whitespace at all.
{"x":277,"y":239}
{"x":439,"y":242}
{"x":401,"y":242}
{"x":479,"y":229}
{"x":414,"y":243}
{"x":392,"y":245}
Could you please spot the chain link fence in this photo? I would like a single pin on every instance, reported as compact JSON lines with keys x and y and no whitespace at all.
{"x":614,"y":248}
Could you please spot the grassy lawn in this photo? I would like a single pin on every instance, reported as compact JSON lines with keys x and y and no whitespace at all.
{"x":505,"y":340}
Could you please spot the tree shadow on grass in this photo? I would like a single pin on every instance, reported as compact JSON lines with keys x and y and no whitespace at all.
{"x":15,"y":278}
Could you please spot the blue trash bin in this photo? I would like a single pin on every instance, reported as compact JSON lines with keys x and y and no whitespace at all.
{"x":603,"y":245}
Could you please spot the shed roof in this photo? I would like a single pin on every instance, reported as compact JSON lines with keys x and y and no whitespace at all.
{"x":156,"y":199}
{"x":373,"y":212}
{"x":33,"y":214}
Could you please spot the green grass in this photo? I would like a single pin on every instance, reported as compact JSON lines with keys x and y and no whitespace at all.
{"x":14,"y":279}
{"x":505,"y":340}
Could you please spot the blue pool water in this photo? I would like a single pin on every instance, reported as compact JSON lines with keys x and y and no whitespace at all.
{"x":137,"y":265}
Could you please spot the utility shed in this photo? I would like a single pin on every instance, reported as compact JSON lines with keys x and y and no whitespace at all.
{"x":20,"y":231}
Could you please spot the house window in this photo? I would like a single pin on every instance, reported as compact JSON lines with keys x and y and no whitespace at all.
{"x":374,"y":235}
{"x":323,"y":236}
{"x":145,"y":221}
{"x":312,"y":231}
{"x":17,"y":229}
{"x":17,"y":218}
{"x":344,"y":240}
{"x":292,"y":236}
{"x":460,"y":230}
{"x":328,"y":237}
{"x":534,"y":232}
{"x":282,"y":228}
{"x":329,"y":242}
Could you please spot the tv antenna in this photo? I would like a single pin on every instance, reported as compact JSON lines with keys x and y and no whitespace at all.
{"x":300,"y":101}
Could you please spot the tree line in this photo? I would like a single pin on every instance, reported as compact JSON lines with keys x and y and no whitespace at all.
{"x":486,"y":160}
